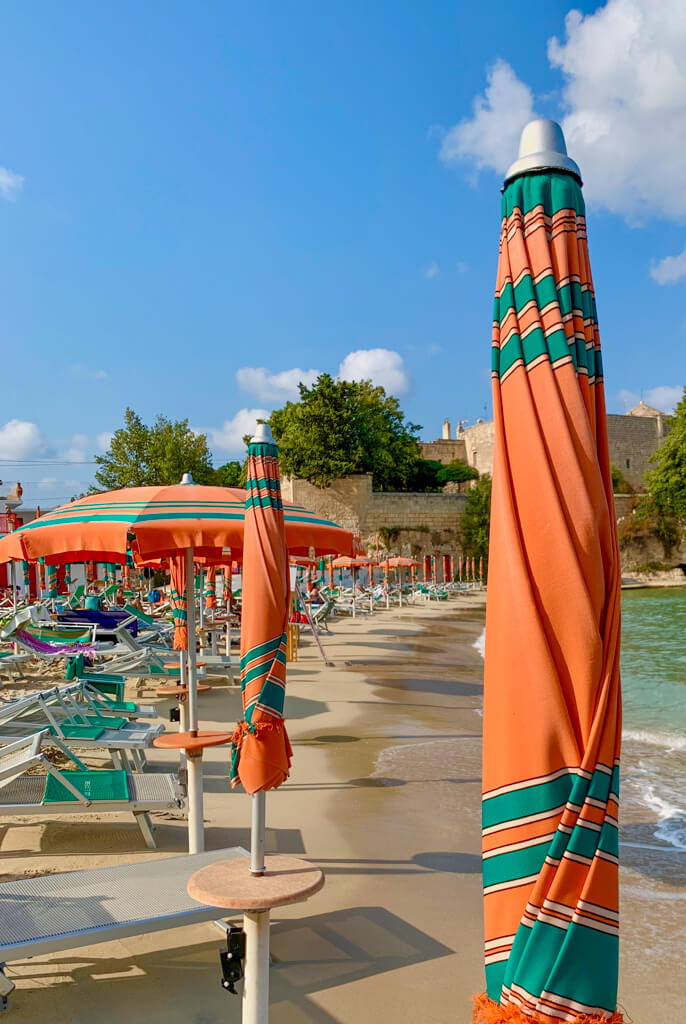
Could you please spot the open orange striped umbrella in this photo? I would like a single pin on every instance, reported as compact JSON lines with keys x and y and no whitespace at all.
{"x":157,"y":521}
{"x":552,"y":696}
{"x":261,"y":750}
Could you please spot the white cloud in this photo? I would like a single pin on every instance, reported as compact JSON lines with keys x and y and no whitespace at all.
{"x":10,"y":183}
{"x":670,"y":270}
{"x":104,"y":440}
{"x":663,"y":397}
{"x":85,"y":372}
{"x":433,"y":270}
{"x":382,"y":366}
{"x":434,"y":350}
{"x":625,"y":96}
{"x":78,"y":449}
{"x":20,"y":439}
{"x":462,"y":267}
{"x":491,"y":136}
{"x":623,"y":101}
{"x":276,"y":387}
{"x":47,"y":483}
{"x":229,"y":436}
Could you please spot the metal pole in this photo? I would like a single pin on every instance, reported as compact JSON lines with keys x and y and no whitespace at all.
{"x":192,"y":670}
{"x":196,"y":830}
{"x":256,"y":983}
{"x":196,"y":834}
{"x":257,"y":833}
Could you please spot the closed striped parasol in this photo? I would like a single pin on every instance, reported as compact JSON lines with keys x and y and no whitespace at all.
{"x":261,"y":754}
{"x":552,"y":695}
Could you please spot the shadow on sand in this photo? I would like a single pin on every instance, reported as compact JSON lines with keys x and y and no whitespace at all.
{"x":181,"y":984}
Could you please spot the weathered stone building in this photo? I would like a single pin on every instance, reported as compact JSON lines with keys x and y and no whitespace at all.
{"x":632,"y":440}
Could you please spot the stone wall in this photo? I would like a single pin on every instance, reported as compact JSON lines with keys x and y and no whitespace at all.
{"x":411,"y":524}
{"x":444,"y":451}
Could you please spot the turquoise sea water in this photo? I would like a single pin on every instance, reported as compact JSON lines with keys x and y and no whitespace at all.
{"x":654,"y":660}
{"x":654,"y":700}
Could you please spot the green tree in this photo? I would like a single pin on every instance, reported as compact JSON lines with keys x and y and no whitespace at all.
{"x":231,"y":474}
{"x":475,"y":521}
{"x":341,"y":427}
{"x":667,"y":482}
{"x":141,"y":455}
{"x":457,"y":471}
{"x":424,"y":476}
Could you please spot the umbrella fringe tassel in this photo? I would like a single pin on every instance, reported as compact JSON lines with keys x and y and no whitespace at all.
{"x":488,"y":1012}
{"x":257,"y":729}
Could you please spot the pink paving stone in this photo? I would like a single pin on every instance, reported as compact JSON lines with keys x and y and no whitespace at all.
{"x":229,"y":883}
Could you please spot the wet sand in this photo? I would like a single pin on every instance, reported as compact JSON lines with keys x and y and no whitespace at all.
{"x":384,"y":795}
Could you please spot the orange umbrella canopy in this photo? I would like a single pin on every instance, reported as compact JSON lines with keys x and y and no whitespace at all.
{"x":552,"y":709}
{"x":352,"y":563}
{"x":261,"y":752}
{"x":158,"y":521}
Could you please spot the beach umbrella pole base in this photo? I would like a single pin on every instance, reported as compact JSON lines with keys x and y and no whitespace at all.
{"x":196,"y":832}
{"x":230,"y":884}
{"x":256,"y":980}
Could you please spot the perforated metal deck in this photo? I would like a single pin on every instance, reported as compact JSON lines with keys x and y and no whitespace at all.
{"x":153,"y":791}
{"x":80,"y":908}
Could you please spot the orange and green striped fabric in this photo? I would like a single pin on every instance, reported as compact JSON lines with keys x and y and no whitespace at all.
{"x":552,"y":707}
{"x":179,"y":605}
{"x":211,"y":586}
{"x":261,"y":752}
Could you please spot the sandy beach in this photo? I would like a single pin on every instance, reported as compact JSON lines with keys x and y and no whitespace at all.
{"x":384,"y":795}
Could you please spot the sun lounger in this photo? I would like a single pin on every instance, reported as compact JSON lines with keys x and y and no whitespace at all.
{"x":53,"y":710}
{"x":80,"y":791}
{"x":52,"y":913}
{"x":11,"y":663}
{"x":156,"y":657}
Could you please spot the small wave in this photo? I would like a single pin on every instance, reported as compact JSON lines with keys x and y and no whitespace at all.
{"x":671,"y":819}
{"x":480,"y":643}
{"x":668,"y":740}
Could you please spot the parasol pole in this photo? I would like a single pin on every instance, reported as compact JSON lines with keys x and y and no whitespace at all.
{"x":257,"y":827}
{"x":196,"y":838}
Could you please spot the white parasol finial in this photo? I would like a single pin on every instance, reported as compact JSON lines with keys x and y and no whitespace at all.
{"x":263,"y":434}
{"x":542,"y":147}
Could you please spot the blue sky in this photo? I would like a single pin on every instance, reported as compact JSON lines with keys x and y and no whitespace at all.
{"x":201,"y":203}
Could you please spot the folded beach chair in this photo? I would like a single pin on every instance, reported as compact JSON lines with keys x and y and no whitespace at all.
{"x":79,"y":791}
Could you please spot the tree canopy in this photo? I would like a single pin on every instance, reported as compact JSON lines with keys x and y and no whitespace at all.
{"x":457,"y":471}
{"x":476,"y":519}
{"x":141,"y":455}
{"x":342,"y":427}
{"x":667,"y":482}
